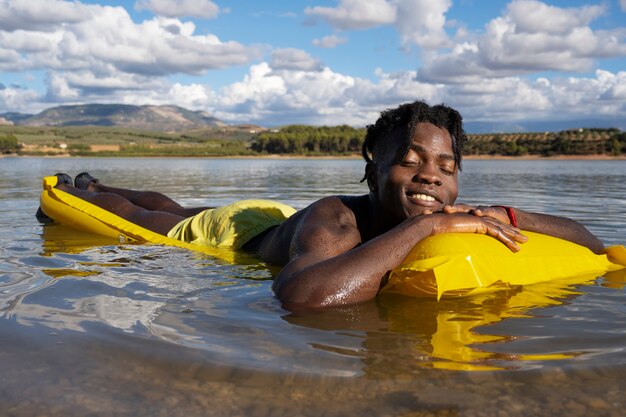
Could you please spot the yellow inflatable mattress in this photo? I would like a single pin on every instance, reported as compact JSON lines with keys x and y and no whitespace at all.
{"x":445,"y":265}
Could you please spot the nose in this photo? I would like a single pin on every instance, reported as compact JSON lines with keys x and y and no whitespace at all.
{"x":428,"y":174}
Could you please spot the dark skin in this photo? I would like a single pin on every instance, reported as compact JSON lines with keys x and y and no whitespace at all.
{"x":342,"y":248}
{"x":338,"y":250}
{"x":149,"y":209}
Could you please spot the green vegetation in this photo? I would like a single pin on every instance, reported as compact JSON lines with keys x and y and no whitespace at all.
{"x":213,"y":148}
{"x":289,"y":140}
{"x":568,"y":142}
{"x":309,"y":140}
{"x":339,"y":140}
{"x":8,"y":143}
{"x":116,"y":141}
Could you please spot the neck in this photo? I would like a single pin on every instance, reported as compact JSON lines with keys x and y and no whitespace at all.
{"x":380,"y":220}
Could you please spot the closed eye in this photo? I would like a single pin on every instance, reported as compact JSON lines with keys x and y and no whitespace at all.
{"x":409,"y":163}
{"x":447,"y":170}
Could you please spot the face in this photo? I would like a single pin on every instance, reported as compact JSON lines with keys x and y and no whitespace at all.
{"x":426,"y":178}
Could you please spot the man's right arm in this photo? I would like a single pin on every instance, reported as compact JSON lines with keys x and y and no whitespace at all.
{"x":331,"y":266}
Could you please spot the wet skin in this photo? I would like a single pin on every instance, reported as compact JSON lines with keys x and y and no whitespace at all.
{"x":340,"y":249}
{"x":424,"y":179}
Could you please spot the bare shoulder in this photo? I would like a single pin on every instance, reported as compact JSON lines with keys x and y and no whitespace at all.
{"x":329,"y":211}
{"x":325,"y":223}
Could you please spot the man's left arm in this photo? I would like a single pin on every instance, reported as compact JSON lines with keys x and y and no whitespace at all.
{"x":556,"y":226}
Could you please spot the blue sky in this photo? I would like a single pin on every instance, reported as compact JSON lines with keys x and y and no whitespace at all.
{"x":505,"y":65}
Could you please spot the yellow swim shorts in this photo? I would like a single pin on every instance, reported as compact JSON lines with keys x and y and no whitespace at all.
{"x":233,"y":225}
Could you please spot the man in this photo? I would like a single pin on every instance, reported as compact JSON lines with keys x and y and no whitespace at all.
{"x":339,"y":250}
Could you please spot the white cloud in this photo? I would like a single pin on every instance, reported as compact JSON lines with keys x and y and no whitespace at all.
{"x":59,"y":90}
{"x":64,"y":88}
{"x":281,"y":97}
{"x":90,"y":86}
{"x":331,"y":41}
{"x":419,"y":22}
{"x":180,"y":8}
{"x":98,"y":38}
{"x":9,"y":59}
{"x":15,"y":99}
{"x":29,"y":41}
{"x":275,"y":97}
{"x":622,"y":4}
{"x":514,"y":44}
{"x":532,"y":16}
{"x":249,"y":96}
{"x":40,"y":15}
{"x":191,"y":96}
{"x":99,"y":54}
{"x":422,"y":22}
{"x":294,"y":59}
{"x":325,"y":97}
{"x":503,"y":99}
{"x":355,"y":14}
{"x":568,"y":98}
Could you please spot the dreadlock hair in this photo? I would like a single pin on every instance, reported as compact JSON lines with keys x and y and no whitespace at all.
{"x":407,"y":116}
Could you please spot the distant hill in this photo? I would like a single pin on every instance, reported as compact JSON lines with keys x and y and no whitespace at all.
{"x":170,"y":118}
{"x":13,"y":118}
{"x":154,"y":118}
{"x":542,"y":126}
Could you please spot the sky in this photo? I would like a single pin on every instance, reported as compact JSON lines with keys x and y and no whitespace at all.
{"x":518,"y":65}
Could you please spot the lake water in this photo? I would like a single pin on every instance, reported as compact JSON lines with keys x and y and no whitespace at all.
{"x":88,"y":327}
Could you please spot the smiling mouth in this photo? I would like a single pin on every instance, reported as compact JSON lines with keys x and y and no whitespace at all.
{"x":422,"y":197}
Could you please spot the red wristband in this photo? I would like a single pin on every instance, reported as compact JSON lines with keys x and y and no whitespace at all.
{"x":511,"y":214}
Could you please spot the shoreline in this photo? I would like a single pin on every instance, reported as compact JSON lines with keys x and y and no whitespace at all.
{"x":554,"y":157}
{"x":338,"y":157}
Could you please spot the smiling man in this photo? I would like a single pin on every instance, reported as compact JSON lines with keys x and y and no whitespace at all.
{"x":339,"y":250}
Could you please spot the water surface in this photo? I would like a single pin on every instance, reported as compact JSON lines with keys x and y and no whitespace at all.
{"x":90,"y":327}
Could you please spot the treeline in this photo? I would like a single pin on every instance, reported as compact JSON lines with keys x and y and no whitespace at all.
{"x":8,"y":144}
{"x":341,"y":140}
{"x":310,"y":140}
{"x":569,"y":142}
{"x":213,"y":148}
{"x":289,"y":140}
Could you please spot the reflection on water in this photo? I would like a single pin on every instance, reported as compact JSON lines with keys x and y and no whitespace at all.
{"x":452,"y":333}
{"x":90,"y":326}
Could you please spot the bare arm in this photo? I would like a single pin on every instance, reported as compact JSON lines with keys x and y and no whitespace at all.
{"x":330,"y":266}
{"x":556,"y":226}
{"x":560,"y":227}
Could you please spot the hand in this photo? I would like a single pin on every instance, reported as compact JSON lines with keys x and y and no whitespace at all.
{"x":472,"y":223}
{"x":454,"y":208}
{"x":498,"y":213}
{"x":458,"y":208}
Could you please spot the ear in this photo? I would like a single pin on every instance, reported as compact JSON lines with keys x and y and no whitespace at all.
{"x":370,"y":176}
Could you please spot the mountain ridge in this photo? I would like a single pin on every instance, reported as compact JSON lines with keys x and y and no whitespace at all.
{"x":173,"y":118}
{"x":165,"y":118}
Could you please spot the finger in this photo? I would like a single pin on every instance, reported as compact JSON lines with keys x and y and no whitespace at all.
{"x":496,"y":212}
{"x":477,"y":212}
{"x":483,"y":211}
{"x":507,"y":230}
{"x":457,"y":208}
{"x":449,"y":209}
{"x":465,"y":207}
{"x":510,"y":243}
{"x":500,"y":234}
{"x":513,"y":232}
